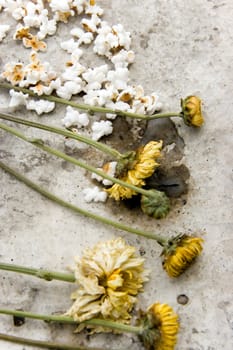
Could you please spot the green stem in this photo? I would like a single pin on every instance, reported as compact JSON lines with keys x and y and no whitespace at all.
{"x":40,"y":273}
{"x":41,"y":343}
{"x":65,"y":319}
{"x":39,"y":143}
{"x":162,"y":241}
{"x":102,"y":147}
{"x":89,"y":108}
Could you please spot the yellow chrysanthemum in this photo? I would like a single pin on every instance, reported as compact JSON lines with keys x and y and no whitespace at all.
{"x":191,"y":111}
{"x":165,"y":320}
{"x":180,"y":253}
{"x":143,"y":167}
{"x":109,"y":276}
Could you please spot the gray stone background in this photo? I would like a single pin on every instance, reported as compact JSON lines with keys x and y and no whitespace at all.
{"x":182,"y":47}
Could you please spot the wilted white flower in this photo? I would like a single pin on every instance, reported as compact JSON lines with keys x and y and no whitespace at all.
{"x":109,"y":276}
{"x":4,"y":28}
{"x":74,"y":117}
{"x":40,"y":106}
{"x":100,"y":129}
{"x":94,"y":194}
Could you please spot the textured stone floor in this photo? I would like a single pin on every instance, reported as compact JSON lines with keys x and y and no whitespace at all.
{"x":181,"y":48}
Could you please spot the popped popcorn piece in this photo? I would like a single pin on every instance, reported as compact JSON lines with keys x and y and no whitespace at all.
{"x":124,"y":37}
{"x":41,"y":89}
{"x":32,"y":17}
{"x":99,"y":97}
{"x":90,"y":25}
{"x":76,"y":54}
{"x":118,"y":78}
{"x":4,"y":28}
{"x":110,"y":169}
{"x":60,"y":5}
{"x":123,"y":58}
{"x":83,"y":37}
{"x":73,"y":71}
{"x":22,"y":32}
{"x":70,"y":88}
{"x":100,"y":129}
{"x":17,"y":99}
{"x":95,"y":77}
{"x":14,"y":73}
{"x":69,"y":45}
{"x":74,"y":117}
{"x":151,"y":103}
{"x":47,"y":27}
{"x":94,"y":194}
{"x":94,"y":10}
{"x":40,"y":106}
{"x":34,"y":43}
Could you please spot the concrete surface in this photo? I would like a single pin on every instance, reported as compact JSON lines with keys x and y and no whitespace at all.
{"x":182,"y":47}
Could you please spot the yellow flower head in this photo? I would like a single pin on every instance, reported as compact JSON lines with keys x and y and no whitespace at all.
{"x":142,"y":167}
{"x":179,"y":253}
{"x":191,"y":111}
{"x":109,"y":276}
{"x":14,"y":73}
{"x":160,"y":327}
{"x":34,"y":43}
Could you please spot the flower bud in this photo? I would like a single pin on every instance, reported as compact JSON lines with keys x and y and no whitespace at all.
{"x":191,"y":111}
{"x":156,"y":204}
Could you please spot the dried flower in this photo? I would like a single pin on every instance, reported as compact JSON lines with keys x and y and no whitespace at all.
{"x":141,"y":167}
{"x":191,"y":111}
{"x":161,"y":327}
{"x":179,"y":253}
{"x":110,"y":275}
{"x":156,"y":205}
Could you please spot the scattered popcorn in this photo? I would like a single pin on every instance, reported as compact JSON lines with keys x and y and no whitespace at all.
{"x":40,"y":106}
{"x":74,"y":117}
{"x":94,"y":194}
{"x":4,"y":28}
{"x":22,"y":32}
{"x":100,"y":129}
{"x":17,"y":99}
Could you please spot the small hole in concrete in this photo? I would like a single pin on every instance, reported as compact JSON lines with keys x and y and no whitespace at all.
{"x":182,"y":299}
